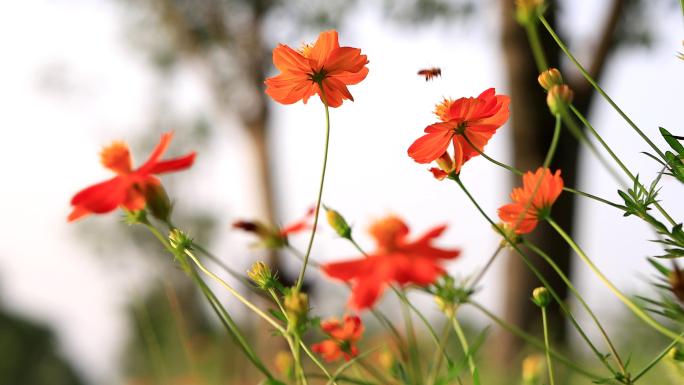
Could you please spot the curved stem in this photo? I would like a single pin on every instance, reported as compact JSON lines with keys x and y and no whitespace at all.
{"x":657,"y":359}
{"x":631,"y":305}
{"x":489,"y":263}
{"x":466,"y":350}
{"x":538,"y":274}
{"x":579,"y":297}
{"x":547,"y":346}
{"x":617,"y":160}
{"x":600,"y":90}
{"x":519,"y":172}
{"x":234,"y":292}
{"x":300,"y":280}
{"x":535,"y":44}
{"x":533,"y":341}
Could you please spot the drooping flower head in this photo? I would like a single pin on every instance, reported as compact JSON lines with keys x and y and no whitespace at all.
{"x":273,"y":237}
{"x":130,"y":189}
{"x":528,"y":206}
{"x":324,"y":64}
{"x":343,"y":337}
{"x":397,"y":259}
{"x":475,"y":118}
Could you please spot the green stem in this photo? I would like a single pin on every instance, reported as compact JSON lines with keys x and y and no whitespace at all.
{"x":547,"y":347}
{"x":579,"y":297}
{"x":486,"y":267}
{"x":300,"y":280}
{"x":439,"y":353}
{"x":315,"y":360}
{"x":402,"y":297}
{"x":617,"y":160}
{"x":535,"y":44}
{"x":631,"y":305}
{"x":520,"y":173}
{"x":414,"y":353}
{"x":657,"y":359}
{"x":535,"y":342}
{"x":591,"y":81}
{"x":235,"y":293}
{"x":538,"y":274}
{"x":466,"y":350}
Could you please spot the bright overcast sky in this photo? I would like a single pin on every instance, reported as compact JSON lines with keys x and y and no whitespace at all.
{"x":71,"y":83}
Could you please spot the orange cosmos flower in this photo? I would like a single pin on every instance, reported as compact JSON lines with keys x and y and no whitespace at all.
{"x":396,"y":259}
{"x":325,"y":64}
{"x":529,"y":207}
{"x":129,"y":188}
{"x":477,"y":118}
{"x":343,"y":337}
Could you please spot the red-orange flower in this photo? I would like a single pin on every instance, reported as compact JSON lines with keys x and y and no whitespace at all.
{"x":396,"y":259}
{"x":342,"y":341}
{"x":129,"y":187}
{"x":477,"y":118}
{"x":529,"y":207}
{"x":324,"y":64}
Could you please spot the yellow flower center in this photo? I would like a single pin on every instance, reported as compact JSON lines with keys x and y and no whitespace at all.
{"x":117,"y":158}
{"x":388,"y":231}
{"x":305,"y":49}
{"x":442,"y":109}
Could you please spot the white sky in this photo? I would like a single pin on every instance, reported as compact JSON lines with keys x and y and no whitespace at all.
{"x":71,"y":83}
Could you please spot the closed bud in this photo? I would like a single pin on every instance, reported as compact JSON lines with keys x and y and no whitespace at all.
{"x":526,"y":11}
{"x":532,"y":369}
{"x":262,"y":276}
{"x":675,"y":354}
{"x":549,"y":78}
{"x":284,"y":363}
{"x":296,"y":306}
{"x":158,"y":202}
{"x":541,"y":297}
{"x":558,"y":98}
{"x":338,"y":223}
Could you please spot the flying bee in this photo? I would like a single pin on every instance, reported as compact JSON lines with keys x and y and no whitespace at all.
{"x":430,"y":73}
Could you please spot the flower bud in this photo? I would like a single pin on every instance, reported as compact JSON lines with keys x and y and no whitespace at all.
{"x":179,"y":240}
{"x":558,"y":98}
{"x":262,"y":276}
{"x":532,"y":368}
{"x":541,"y":297}
{"x":296,"y":306}
{"x":158,"y":202}
{"x":509,"y":234}
{"x":284,"y":363}
{"x":526,"y":11}
{"x":675,"y":354}
{"x":549,"y":78}
{"x":338,"y":223}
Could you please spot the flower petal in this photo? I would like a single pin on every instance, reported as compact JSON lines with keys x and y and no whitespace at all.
{"x":175,"y":164}
{"x":432,"y":145}
{"x":325,"y":45}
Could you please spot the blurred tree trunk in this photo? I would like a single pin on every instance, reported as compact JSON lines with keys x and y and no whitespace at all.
{"x":532,"y":126}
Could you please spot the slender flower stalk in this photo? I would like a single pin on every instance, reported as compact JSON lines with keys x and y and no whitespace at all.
{"x":536,"y":272}
{"x":535,"y":342}
{"x":598,"y":88}
{"x":216,"y":305}
{"x":466,"y":350}
{"x":571,"y":287}
{"x":519,"y":172}
{"x":617,"y":160}
{"x":628,"y":302}
{"x":300,"y":280}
